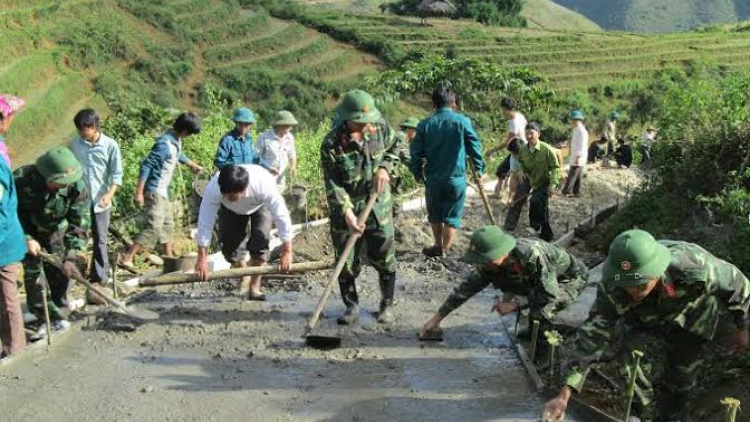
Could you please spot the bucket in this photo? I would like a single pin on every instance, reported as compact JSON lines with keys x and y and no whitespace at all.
{"x":296,"y":197}
{"x":182,"y":264}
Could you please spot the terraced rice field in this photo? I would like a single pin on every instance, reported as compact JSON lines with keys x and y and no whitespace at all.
{"x":570,"y":59}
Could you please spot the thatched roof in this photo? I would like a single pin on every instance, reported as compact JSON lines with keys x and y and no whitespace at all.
{"x":436,"y":8}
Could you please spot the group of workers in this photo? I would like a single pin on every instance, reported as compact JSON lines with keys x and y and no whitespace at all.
{"x":675,"y":291}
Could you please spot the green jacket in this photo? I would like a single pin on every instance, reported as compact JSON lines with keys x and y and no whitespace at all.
{"x":548,"y":275}
{"x":348,"y":168}
{"x":59,"y":221}
{"x":696,"y":291}
{"x":540,"y":165}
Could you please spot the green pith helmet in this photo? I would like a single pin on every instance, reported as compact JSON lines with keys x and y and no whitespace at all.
{"x":284,"y":118}
{"x":243,"y":115}
{"x":635,"y":257}
{"x":59,"y":165}
{"x":359,"y":107}
{"x":614,"y":116}
{"x":577,"y":115}
{"x":411,"y":122}
{"x":488,"y":244}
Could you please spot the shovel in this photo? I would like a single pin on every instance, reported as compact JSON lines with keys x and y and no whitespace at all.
{"x":480,"y":188}
{"x":119,"y":307}
{"x":324,"y":342}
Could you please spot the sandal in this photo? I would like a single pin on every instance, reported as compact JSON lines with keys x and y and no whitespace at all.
{"x":258,"y":297}
{"x":433,"y":251}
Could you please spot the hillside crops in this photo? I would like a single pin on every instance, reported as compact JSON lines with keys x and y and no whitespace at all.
{"x":570,"y":59}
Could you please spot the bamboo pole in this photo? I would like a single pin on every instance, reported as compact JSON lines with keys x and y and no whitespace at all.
{"x":732,"y":406}
{"x":637,"y":355}
{"x":182,"y":278}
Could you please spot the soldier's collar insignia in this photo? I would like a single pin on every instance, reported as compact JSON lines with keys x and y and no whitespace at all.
{"x":626,"y":265}
{"x":366,"y":109}
{"x":669,"y":289}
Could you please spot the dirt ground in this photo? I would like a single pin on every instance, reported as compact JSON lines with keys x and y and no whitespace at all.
{"x":213,"y":357}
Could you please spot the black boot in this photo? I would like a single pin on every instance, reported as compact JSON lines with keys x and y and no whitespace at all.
{"x":351,"y":300}
{"x":387,"y":289}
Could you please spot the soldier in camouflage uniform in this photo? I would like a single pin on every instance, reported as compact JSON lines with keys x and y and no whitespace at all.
{"x":547,"y":275}
{"x":358,"y":156}
{"x":676,"y":291}
{"x":403,"y":138}
{"x":54,"y":212}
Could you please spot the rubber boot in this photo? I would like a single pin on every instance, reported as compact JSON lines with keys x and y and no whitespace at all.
{"x":351,"y":300}
{"x":387,"y":289}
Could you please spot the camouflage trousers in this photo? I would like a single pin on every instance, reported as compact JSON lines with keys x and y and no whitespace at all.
{"x":667,"y":374}
{"x":376,"y":246}
{"x":34,"y":270}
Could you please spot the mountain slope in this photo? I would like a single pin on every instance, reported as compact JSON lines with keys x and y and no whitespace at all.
{"x":659,"y":15}
{"x":547,"y":14}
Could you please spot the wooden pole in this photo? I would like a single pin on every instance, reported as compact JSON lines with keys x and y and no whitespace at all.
{"x":45,"y":303}
{"x":348,"y":248}
{"x":182,"y":278}
{"x":482,"y":193}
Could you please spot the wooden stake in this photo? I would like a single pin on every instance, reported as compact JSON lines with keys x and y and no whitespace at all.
{"x":637,"y":355}
{"x":534,"y":338}
{"x":43,"y":280}
{"x":182,"y":278}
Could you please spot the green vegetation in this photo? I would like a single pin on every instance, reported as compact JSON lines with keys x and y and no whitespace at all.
{"x":488,"y":12}
{"x":571,"y":60}
{"x":659,"y":15}
{"x":546,"y":14}
{"x":698,"y":190}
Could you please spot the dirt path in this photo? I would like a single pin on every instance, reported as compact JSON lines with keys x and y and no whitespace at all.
{"x":214,"y":358}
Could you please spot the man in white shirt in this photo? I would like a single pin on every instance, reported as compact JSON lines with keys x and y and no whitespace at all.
{"x":246,"y":199}
{"x":510,"y":166}
{"x":275,"y":148}
{"x":579,"y":150}
{"x":649,"y":137}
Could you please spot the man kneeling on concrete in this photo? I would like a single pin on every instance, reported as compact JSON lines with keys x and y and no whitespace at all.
{"x":548,"y":275}
{"x":246,"y":199}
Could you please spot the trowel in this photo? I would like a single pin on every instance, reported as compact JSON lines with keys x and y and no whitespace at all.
{"x":326,"y":342}
{"x":117,"y":306}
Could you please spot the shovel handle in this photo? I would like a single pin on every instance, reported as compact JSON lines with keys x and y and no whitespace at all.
{"x":480,"y":188}
{"x":340,"y":264}
{"x":52,"y":260}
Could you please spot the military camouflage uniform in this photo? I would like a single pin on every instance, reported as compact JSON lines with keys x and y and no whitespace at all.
{"x":348,"y":168}
{"x":403,"y":168}
{"x":60,"y":222}
{"x":697,"y":293}
{"x":548,"y":275}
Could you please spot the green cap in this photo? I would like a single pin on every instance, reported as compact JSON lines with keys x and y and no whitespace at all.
{"x":577,"y":115}
{"x":614,"y":116}
{"x":59,"y":165}
{"x":635,"y":257}
{"x":284,"y":118}
{"x":359,"y":107}
{"x":243,"y":115}
{"x":411,"y":122}
{"x":488,"y":244}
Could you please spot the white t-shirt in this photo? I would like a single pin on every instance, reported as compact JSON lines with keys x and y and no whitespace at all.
{"x":517,"y":126}
{"x":579,"y":146}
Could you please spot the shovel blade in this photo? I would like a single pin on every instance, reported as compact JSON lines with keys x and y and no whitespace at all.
{"x":323,"y":342}
{"x":137,"y":313}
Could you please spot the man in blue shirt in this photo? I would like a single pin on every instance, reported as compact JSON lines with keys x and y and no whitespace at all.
{"x":101,"y":161}
{"x":236,"y":147}
{"x":156,"y":174}
{"x":443,"y":141}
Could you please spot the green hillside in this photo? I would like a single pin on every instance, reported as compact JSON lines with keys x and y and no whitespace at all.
{"x":546,"y":14}
{"x":164,"y":51}
{"x":569,"y":59}
{"x":659,"y":15}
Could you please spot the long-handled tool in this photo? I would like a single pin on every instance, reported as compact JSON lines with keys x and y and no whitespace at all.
{"x":480,"y":188}
{"x":182,"y":278}
{"x":45,"y":289}
{"x":325,"y":342}
{"x":140,"y":314}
